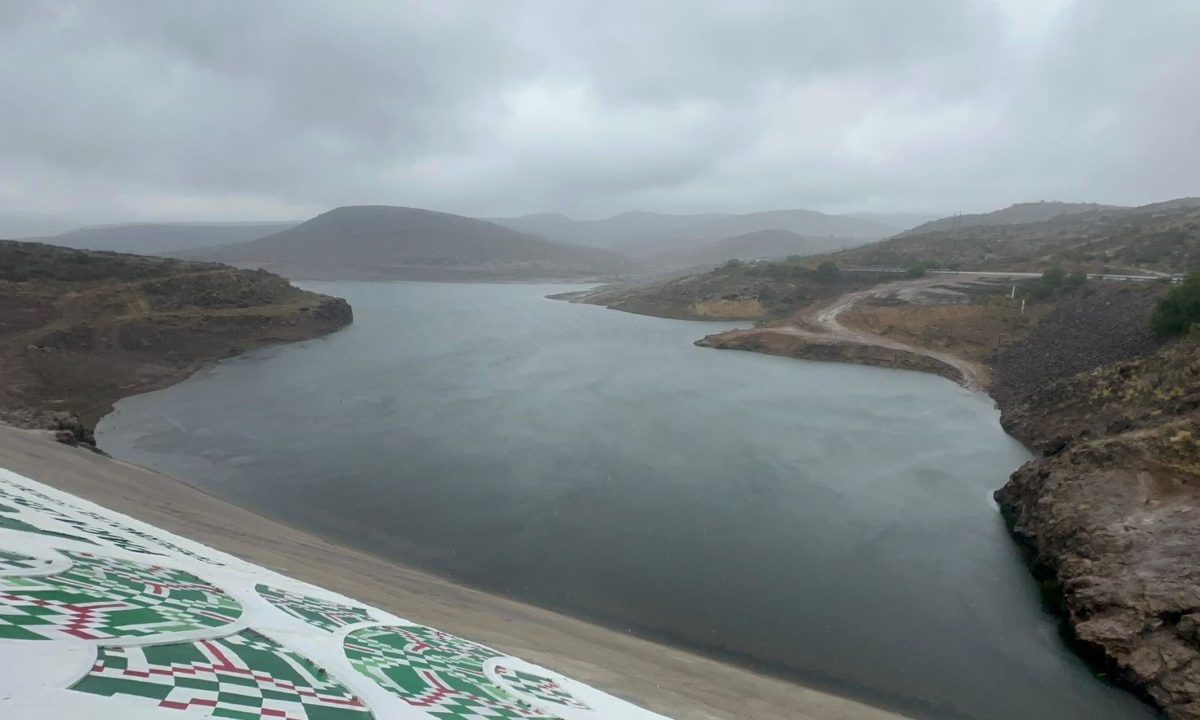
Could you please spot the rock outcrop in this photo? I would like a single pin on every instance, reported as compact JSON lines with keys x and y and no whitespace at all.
{"x":1110,"y":511}
{"x":81,"y":329}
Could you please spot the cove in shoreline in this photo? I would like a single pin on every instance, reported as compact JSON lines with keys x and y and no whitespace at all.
{"x":597,"y":462}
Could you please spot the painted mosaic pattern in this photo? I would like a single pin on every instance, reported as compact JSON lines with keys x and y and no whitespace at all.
{"x":164,"y":544}
{"x":12,"y":523}
{"x":17,"y":561}
{"x":246,"y":676}
{"x":435,"y":671}
{"x":538,"y":686}
{"x":42,"y":503}
{"x":314,"y":611}
{"x":100,"y":598}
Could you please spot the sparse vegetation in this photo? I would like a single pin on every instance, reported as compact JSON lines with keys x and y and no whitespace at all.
{"x":794,"y":267}
{"x":1179,"y":310}
{"x":80,"y":329}
{"x":1163,"y":237}
{"x":828,"y":272}
{"x":1054,"y":280}
{"x":920,"y":268}
{"x":1054,"y":277}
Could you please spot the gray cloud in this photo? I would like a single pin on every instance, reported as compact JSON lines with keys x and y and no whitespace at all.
{"x":119,"y":109}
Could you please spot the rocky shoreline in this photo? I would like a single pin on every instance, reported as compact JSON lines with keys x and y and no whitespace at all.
{"x":80,"y":330}
{"x":1108,"y":512}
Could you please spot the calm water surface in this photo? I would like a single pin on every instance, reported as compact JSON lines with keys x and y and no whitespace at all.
{"x":828,"y":521}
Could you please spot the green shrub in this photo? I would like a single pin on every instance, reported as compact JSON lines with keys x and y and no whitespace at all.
{"x":1054,"y":277}
{"x":1179,"y":309}
{"x":828,"y":272}
{"x":916,"y":270}
{"x":733,"y":267}
{"x":1038,"y":291}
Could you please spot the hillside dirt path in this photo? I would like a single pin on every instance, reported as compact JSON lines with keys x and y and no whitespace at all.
{"x":823,"y":321}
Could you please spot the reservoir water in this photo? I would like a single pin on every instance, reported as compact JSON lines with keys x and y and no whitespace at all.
{"x":828,"y":522}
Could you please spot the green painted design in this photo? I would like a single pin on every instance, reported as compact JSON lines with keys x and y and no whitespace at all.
{"x":11,"y":523}
{"x":246,"y":676}
{"x":42,"y":503}
{"x":100,"y":598}
{"x":435,"y":671}
{"x":148,"y":537}
{"x":17,"y":561}
{"x":324,"y":614}
{"x":101,"y":526}
{"x":538,"y":686}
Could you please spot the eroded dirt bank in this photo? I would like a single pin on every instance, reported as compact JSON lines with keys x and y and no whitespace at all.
{"x":81,"y":329}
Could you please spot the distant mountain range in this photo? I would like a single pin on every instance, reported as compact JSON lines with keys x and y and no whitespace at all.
{"x":398,"y":242}
{"x":17,"y":225}
{"x":163,"y":238}
{"x":606,"y":233}
{"x":645,"y":234}
{"x":748,"y":246}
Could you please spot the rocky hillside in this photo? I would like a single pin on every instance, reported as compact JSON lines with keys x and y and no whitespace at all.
{"x":1110,"y":511}
{"x":735,"y":291}
{"x":1017,"y":214}
{"x":81,"y":329}
{"x":1164,"y":238}
{"x":408,"y":243}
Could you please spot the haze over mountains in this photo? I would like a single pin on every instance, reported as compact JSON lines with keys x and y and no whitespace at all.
{"x":159,"y":238}
{"x":748,"y":246}
{"x":410,"y":243}
{"x":30,"y":224}
{"x":398,"y":242}
{"x":646,"y":234}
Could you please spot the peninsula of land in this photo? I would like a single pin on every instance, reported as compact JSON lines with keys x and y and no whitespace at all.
{"x":1052,"y":311}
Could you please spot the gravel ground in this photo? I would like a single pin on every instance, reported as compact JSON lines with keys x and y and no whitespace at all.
{"x":1093,"y":326}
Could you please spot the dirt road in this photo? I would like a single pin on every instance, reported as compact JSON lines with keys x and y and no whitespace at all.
{"x":824,"y":322}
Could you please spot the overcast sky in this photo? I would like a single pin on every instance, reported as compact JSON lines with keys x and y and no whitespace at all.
{"x":257,"y":109}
